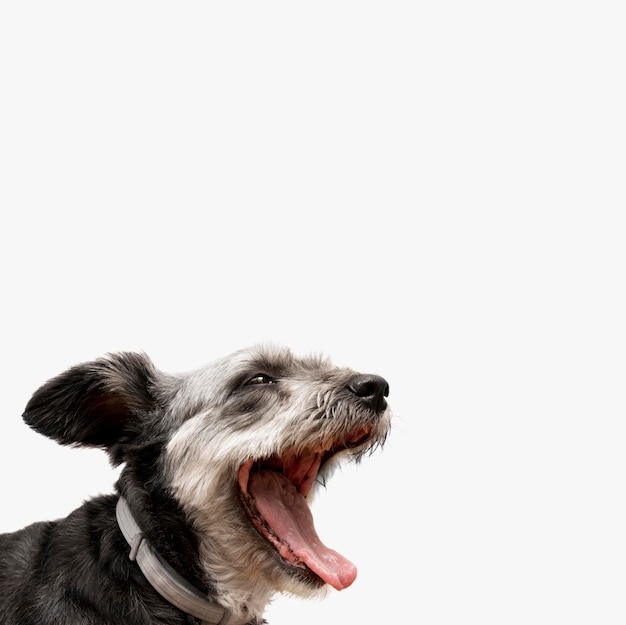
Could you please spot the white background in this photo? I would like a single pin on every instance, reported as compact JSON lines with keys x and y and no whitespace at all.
{"x":432,"y":191}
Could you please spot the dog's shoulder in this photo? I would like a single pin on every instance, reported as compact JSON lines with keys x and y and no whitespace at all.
{"x":17,"y":548}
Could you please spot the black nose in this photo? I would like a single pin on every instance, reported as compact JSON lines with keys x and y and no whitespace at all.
{"x":372,"y":389}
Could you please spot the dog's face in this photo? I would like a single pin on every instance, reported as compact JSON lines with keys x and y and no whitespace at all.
{"x":241,"y":445}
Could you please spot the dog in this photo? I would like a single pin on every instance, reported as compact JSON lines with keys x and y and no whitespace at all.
{"x":210,"y":517}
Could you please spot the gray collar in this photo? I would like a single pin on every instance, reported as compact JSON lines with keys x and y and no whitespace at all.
{"x":164,"y":579}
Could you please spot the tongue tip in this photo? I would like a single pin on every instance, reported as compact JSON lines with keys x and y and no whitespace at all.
{"x":339,"y":577}
{"x":343,"y":582}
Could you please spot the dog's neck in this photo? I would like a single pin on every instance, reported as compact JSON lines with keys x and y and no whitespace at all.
{"x":164,"y":579}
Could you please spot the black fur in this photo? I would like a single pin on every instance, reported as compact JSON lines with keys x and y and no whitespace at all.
{"x":76,"y":570}
{"x":105,"y":404}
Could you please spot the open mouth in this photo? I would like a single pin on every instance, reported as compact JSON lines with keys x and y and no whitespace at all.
{"x":273,"y":493}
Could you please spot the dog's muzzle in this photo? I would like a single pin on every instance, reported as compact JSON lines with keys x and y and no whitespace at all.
{"x":273,"y":491}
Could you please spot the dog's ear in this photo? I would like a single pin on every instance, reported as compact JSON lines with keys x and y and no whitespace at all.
{"x":97,"y":404}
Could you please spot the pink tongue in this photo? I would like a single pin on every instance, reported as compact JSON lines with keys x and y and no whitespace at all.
{"x":288,"y":514}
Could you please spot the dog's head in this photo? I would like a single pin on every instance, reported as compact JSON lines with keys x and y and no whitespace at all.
{"x":240,"y":445}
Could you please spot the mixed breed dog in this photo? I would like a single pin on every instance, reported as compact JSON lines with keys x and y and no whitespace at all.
{"x":211,"y":516}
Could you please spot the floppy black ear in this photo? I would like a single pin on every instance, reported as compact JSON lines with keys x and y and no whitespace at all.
{"x":97,"y":404}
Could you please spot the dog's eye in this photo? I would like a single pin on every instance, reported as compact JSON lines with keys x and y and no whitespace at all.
{"x":260,"y":378}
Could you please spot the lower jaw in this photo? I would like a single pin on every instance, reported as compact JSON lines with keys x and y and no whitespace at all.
{"x":297,"y":572}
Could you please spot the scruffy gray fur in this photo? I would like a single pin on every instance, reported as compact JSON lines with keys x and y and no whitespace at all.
{"x":217,"y":467}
